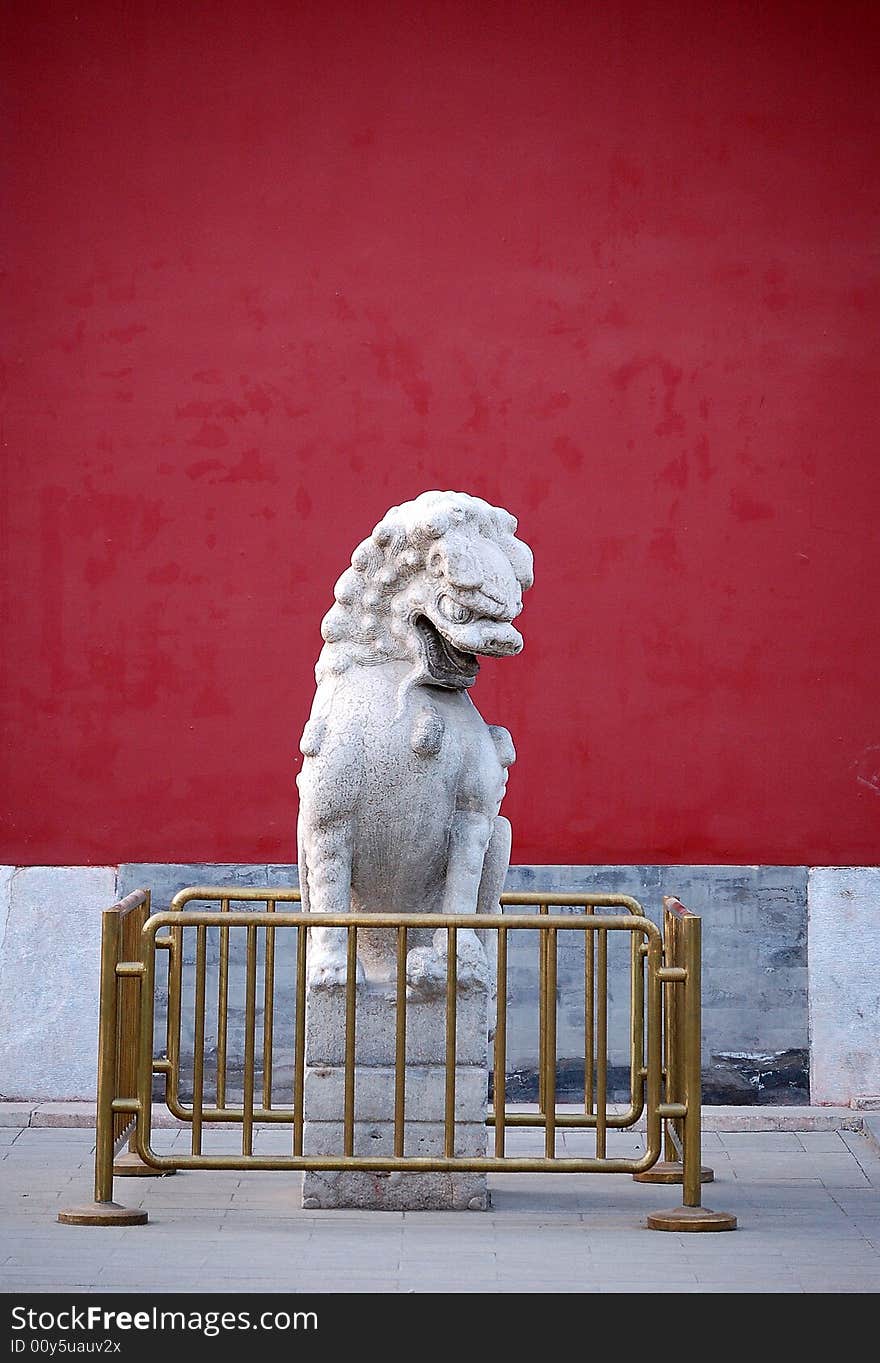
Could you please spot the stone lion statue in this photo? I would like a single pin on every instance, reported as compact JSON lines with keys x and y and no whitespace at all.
{"x":402,"y":779}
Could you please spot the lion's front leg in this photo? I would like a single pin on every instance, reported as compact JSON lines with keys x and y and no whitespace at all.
{"x":469,"y":838}
{"x":329,"y":789}
{"x":326,"y":853}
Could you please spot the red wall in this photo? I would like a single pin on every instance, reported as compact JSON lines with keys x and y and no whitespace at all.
{"x":274,"y":267}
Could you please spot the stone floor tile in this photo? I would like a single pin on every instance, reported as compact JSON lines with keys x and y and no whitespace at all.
{"x":823,"y":1142}
{"x":801,"y":1231}
{"x":761,"y":1140}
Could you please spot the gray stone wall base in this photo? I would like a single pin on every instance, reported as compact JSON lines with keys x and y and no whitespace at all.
{"x":769,"y":1017}
{"x":50,"y":940}
{"x":844,"y":907}
{"x":754,"y":971}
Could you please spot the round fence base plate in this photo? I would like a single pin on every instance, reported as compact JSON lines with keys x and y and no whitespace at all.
{"x":691,"y":1219}
{"x":103,"y":1214}
{"x":130,"y":1165}
{"x":670,"y":1171}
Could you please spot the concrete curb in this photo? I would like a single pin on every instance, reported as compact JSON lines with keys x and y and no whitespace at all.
{"x":870,"y":1129}
{"x":45,"y":1115}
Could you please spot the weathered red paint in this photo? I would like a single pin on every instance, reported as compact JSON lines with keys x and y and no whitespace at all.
{"x":275,"y":267}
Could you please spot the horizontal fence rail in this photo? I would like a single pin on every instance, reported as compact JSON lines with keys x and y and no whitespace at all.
{"x":207,"y":948}
{"x":164,"y":930}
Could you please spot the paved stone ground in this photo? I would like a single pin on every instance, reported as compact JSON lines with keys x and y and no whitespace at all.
{"x":808,"y":1204}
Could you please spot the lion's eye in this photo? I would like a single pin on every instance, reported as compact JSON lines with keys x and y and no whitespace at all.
{"x":451,"y":610}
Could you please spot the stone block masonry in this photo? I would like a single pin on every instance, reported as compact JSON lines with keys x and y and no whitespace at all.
{"x":50,"y":937}
{"x":755,"y":1013}
{"x":844,"y":983}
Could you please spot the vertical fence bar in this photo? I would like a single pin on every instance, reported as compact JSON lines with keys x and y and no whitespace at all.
{"x":268,"y":1008}
{"x":692,"y":1184}
{"x":299,"y":1040}
{"x":129,"y":1014}
{"x":128,"y":999}
{"x":400,"y":1046}
{"x":677,"y":1013}
{"x":601,"y":1041}
{"x":589,"y":1010}
{"x":542,"y":1012}
{"x":550,"y":1047}
{"x":222,"y":1007}
{"x":106,"y":1057}
{"x":451,"y":1023}
{"x":198,"y":1097}
{"x":250,"y":1042}
{"x":172,"y":1029}
{"x":350,"y":1049}
{"x":145,"y":1041}
{"x":672,"y":1085}
{"x":499,"y":1078}
{"x":654,"y":1013}
{"x":636,"y":1021}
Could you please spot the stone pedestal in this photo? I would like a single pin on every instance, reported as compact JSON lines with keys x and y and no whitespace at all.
{"x":374,"y":1098}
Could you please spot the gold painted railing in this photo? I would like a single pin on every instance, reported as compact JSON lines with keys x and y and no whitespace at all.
{"x":664,"y":1069}
{"x":120,"y":992}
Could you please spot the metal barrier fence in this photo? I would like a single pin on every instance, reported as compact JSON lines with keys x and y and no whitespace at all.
{"x":664,"y":1069}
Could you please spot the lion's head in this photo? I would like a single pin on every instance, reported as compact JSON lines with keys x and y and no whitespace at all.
{"x":439,"y":580}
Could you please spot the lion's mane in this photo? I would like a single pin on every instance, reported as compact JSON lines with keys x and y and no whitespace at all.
{"x":361,"y":628}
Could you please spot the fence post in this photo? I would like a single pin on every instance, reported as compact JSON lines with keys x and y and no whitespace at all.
{"x":130,"y":1164}
{"x":104,"y":1211}
{"x":690,"y":1216}
{"x":675,"y":1020}
{"x":692,"y":1047}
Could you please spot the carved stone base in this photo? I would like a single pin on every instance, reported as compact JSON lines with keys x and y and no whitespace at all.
{"x":396,"y":1192}
{"x":425,"y":1100}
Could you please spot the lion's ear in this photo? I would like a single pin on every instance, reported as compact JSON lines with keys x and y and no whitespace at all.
{"x":436,"y":561}
{"x":521,"y":561}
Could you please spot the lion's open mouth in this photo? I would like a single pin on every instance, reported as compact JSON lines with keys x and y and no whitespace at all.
{"x":448,"y":665}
